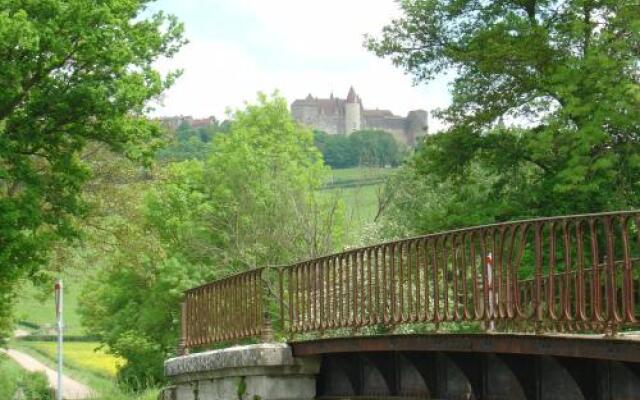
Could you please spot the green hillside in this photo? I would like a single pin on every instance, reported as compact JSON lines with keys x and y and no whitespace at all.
{"x":359,"y":189}
{"x":37,"y":306}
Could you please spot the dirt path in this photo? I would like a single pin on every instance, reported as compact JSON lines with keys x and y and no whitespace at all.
{"x":20,"y":333}
{"x":71,"y":389}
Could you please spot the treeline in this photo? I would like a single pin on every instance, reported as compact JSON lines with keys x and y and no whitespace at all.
{"x":190,"y":143}
{"x":372,"y":148}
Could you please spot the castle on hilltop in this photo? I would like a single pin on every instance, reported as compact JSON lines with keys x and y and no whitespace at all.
{"x":343,"y":116}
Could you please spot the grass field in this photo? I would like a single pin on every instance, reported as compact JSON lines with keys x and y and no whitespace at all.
{"x":36,"y":305}
{"x":81,"y":355}
{"x":10,"y":375}
{"x":358,"y":188}
{"x":362,"y":176}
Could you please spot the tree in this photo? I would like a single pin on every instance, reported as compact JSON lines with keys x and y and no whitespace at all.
{"x":566,"y":73}
{"x":336,"y":149}
{"x":253,"y":202}
{"x":361,"y":148}
{"x":413,"y":203}
{"x":71,"y":72}
{"x":130,"y":285}
{"x":188,"y":143}
{"x":375,"y":148}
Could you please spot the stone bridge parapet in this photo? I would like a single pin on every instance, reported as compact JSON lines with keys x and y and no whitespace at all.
{"x":267,"y":371}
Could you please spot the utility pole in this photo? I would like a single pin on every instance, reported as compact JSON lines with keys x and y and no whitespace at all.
{"x":59,"y":294}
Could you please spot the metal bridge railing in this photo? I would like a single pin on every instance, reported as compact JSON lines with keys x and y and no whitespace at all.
{"x":577,"y":273}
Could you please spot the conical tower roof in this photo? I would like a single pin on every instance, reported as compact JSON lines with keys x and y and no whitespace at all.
{"x":352,"y":97}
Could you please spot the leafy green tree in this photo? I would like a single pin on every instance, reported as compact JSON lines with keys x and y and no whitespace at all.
{"x":362,"y":148}
{"x":188,"y":143}
{"x":414,"y":205}
{"x":133,"y":305}
{"x":375,"y":148}
{"x":252,"y":202}
{"x":123,"y":268}
{"x":336,"y":149}
{"x":566,"y":72}
{"x":71,"y":72}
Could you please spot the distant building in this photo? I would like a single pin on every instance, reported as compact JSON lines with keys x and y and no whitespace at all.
{"x":343,"y":116}
{"x":176,"y":121}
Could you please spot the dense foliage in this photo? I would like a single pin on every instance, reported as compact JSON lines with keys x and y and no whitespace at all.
{"x":18,"y":384}
{"x":188,"y":143}
{"x":252,"y":202}
{"x":71,"y":72}
{"x":370,"y":148}
{"x":563,"y":75}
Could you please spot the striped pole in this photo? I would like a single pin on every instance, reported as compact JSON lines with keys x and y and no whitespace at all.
{"x":58,"y":293}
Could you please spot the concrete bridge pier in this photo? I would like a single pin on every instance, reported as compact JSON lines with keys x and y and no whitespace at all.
{"x":254,"y":372}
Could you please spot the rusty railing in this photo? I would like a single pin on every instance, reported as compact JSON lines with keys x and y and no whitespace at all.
{"x":577,"y":273}
{"x":224,"y":310}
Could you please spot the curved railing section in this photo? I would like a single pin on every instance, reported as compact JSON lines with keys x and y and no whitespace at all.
{"x":577,"y":273}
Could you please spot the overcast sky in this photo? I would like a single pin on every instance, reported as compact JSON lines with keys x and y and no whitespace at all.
{"x":240,"y":47}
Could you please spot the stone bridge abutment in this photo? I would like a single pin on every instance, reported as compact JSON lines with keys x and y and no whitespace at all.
{"x":441,"y":366}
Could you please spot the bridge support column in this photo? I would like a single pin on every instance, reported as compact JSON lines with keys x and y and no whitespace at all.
{"x":254,"y":372}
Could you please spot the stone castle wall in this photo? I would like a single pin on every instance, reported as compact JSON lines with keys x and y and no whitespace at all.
{"x":339,"y":116}
{"x":310,"y":116}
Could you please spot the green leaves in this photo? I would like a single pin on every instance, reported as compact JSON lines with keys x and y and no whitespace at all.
{"x":72,"y":73}
{"x":566,"y":76}
{"x":366,"y":147}
{"x":252,"y":202}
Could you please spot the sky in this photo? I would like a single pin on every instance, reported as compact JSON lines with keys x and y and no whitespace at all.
{"x":298,"y":47}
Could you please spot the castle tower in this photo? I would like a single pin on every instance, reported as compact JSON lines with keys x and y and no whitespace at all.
{"x":352,"y":117}
{"x":417,"y":126}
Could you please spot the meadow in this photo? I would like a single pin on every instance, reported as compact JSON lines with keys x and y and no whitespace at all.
{"x":37,"y":306}
{"x":359,"y":189}
{"x":360,"y":176}
{"x":81,"y":355}
{"x":10,"y":375}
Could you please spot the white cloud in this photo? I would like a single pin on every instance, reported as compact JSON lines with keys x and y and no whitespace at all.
{"x":331,"y":28}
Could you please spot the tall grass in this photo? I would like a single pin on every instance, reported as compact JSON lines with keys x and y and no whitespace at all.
{"x":10,"y":375}
{"x":105,"y":388}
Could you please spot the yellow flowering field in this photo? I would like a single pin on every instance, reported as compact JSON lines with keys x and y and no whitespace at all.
{"x":82,"y":355}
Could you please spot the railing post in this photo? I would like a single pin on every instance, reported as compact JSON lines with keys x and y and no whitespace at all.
{"x":266,"y":330}
{"x":266,"y":333}
{"x":182,"y":345}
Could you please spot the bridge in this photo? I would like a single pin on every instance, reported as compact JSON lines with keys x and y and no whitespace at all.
{"x":537,"y":309}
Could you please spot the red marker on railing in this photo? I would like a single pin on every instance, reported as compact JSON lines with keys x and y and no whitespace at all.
{"x":492,"y":324}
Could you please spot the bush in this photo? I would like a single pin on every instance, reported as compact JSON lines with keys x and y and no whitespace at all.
{"x":9,"y":377}
{"x":54,"y":338}
{"x":30,"y":385}
{"x":35,"y":386}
